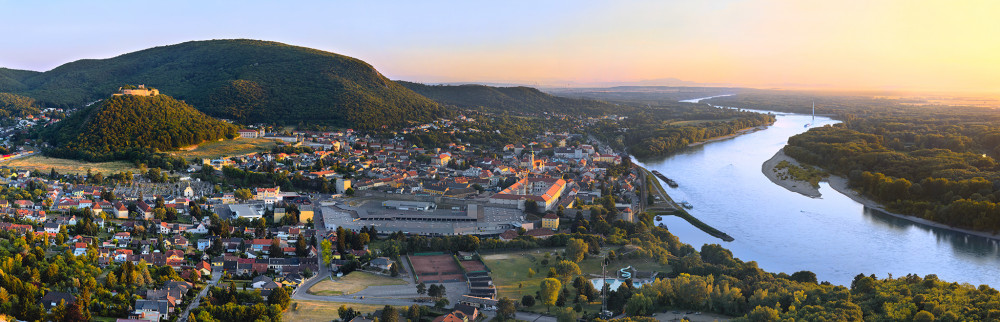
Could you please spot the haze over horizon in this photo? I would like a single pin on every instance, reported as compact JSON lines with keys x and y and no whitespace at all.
{"x":855,"y":45}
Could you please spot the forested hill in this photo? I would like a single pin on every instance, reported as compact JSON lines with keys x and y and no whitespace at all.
{"x":245,"y":80}
{"x":11,"y":79}
{"x":122,"y":127}
{"x":16,"y":105}
{"x":512,"y":99}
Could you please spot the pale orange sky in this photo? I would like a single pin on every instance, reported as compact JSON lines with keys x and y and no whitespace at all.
{"x":897,"y":45}
{"x":918,"y":45}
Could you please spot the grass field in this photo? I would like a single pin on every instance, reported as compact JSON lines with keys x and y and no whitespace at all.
{"x":510,"y":272}
{"x":43,"y":164}
{"x":352,"y":283}
{"x":208,"y":150}
{"x":322,"y":310}
{"x":227,"y":148}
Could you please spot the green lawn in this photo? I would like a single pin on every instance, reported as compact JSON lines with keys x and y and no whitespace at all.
{"x":510,"y":272}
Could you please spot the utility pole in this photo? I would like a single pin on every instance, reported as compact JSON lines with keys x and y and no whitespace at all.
{"x":604,"y":288}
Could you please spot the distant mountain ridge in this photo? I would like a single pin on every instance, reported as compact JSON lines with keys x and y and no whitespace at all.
{"x":245,"y":80}
{"x":513,"y":99}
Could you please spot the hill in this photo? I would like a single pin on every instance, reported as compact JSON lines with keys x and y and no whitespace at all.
{"x":127,"y":127}
{"x":16,"y":105}
{"x":514,"y":99}
{"x":11,"y":79}
{"x":245,"y":80}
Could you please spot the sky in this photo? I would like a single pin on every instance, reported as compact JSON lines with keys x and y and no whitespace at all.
{"x":882,"y":45}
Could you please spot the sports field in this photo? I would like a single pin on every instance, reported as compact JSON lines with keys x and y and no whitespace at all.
{"x":436,"y":268}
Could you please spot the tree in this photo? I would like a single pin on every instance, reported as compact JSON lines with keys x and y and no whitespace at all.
{"x":639,"y":305}
{"x":301,"y":249}
{"x":346,"y":313}
{"x":394,"y":270}
{"x":576,"y":249}
{"x":566,"y":314}
{"x":763,"y":314}
{"x":327,"y":250}
{"x":531,"y":272}
{"x":528,"y":301}
{"x":566,"y":270}
{"x":506,"y":309}
{"x":804,"y":277}
{"x":530,"y":206}
{"x":549,"y":291}
{"x":389,"y":314}
{"x":280,"y":297}
{"x":441,"y":303}
{"x":275,"y":249}
{"x":433,"y":291}
{"x":243,"y":194}
{"x":421,"y":288}
{"x":923,"y":316}
{"x":349,"y":192}
{"x":413,"y":313}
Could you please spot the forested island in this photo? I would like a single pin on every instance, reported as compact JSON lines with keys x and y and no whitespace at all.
{"x":933,"y":162}
{"x":659,"y":125}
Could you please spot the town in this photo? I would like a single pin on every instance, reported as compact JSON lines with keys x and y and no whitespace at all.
{"x":220,"y":224}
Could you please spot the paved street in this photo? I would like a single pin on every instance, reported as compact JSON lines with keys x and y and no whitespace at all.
{"x":216,"y":275}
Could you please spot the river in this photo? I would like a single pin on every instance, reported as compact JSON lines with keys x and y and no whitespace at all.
{"x":832,"y":236}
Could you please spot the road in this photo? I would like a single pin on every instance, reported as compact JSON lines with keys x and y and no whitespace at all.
{"x":216,"y":275}
{"x":324,"y":270}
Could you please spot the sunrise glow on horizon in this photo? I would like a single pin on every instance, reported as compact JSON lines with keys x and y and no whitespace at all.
{"x":888,"y":45}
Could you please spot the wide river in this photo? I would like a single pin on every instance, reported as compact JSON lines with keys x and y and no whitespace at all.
{"x":832,"y":236}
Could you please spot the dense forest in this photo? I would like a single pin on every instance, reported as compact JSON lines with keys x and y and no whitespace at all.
{"x":934,"y":162}
{"x":11,"y":79}
{"x":513,"y":99}
{"x":662,"y":130}
{"x":245,"y":80}
{"x":123,"y":127}
{"x":16,"y":105}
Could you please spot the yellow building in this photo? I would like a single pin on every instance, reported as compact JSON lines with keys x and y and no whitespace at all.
{"x":550,"y":221}
{"x":305,"y":213}
{"x":141,"y":91}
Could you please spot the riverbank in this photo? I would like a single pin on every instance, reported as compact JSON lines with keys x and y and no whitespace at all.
{"x":840,"y":184}
{"x":784,"y":180}
{"x":667,"y":207}
{"x":738,"y":133}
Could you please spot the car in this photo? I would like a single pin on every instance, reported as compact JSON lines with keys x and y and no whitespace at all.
{"x":677,"y":312}
{"x":688,"y":312}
